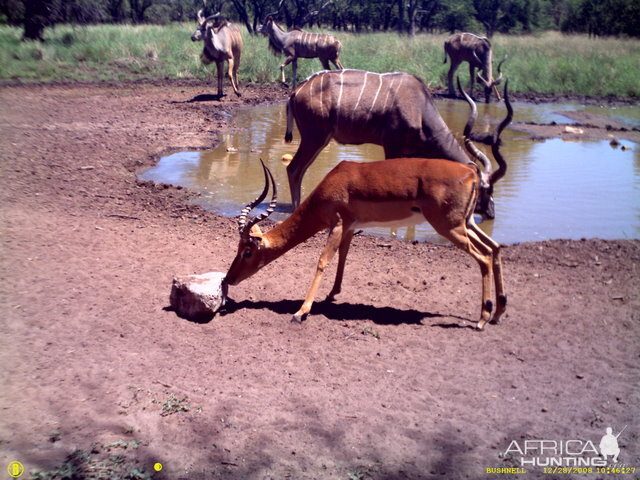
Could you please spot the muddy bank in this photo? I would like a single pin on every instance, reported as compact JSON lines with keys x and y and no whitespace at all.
{"x":391,"y":381}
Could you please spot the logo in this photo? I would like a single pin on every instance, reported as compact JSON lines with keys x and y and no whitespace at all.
{"x":574,"y":453}
{"x":609,"y":444}
{"x":15,"y":469}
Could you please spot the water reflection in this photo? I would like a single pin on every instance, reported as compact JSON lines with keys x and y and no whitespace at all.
{"x":552,"y":189}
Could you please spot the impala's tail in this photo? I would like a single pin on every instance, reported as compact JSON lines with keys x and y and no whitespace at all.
{"x":288,"y":136}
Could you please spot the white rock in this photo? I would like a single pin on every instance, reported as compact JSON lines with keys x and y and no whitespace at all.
{"x":198,"y":297}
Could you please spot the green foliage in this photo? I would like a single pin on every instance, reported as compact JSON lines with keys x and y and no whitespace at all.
{"x":594,"y":17}
{"x":543,"y":63}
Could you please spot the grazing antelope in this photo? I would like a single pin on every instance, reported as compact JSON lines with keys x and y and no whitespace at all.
{"x":396,"y":192}
{"x":394,"y":110}
{"x":467,"y":47}
{"x":222,"y":42}
{"x":300,"y":44}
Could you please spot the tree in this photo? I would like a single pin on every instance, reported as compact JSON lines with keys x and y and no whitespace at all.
{"x":37,"y":15}
{"x":138,"y":9}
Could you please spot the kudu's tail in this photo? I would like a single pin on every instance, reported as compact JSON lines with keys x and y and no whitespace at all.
{"x":288,"y":136}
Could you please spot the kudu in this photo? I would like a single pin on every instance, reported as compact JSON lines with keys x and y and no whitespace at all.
{"x":396,"y":192}
{"x":477,"y":51}
{"x":300,"y":44}
{"x":394,"y":110}
{"x":222,"y":42}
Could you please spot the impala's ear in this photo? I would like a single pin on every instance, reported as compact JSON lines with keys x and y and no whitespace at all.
{"x":255,"y":231}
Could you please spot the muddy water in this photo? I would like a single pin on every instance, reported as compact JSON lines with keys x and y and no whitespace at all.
{"x":553,"y":189}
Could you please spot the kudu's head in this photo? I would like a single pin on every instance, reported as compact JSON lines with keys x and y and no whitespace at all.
{"x":250,"y":256}
{"x":265,"y":28}
{"x":489,"y":83}
{"x":203,"y":24}
{"x":485,"y":205}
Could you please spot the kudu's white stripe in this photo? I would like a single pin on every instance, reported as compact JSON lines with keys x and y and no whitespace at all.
{"x":321,"y":87}
{"x":339,"y":97}
{"x":389,"y":90}
{"x":364,"y":86}
{"x":375,"y":98}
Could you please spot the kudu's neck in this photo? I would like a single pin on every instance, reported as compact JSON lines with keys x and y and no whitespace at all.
{"x":277,"y":35}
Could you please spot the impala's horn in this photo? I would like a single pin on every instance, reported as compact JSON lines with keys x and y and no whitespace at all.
{"x":244,"y":227}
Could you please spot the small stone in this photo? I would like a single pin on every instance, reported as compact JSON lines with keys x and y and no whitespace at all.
{"x":198,"y":297}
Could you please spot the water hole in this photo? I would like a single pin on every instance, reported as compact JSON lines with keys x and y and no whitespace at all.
{"x":552,"y":189}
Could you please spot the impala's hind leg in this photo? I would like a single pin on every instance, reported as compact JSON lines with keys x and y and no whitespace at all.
{"x":501,"y":296}
{"x":342,"y":258}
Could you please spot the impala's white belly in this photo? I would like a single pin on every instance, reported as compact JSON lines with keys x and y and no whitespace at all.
{"x":414,"y":219}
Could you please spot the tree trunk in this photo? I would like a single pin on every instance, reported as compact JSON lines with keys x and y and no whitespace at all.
{"x":36,"y":18}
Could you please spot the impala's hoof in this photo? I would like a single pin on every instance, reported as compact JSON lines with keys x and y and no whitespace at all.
{"x":298,"y":318}
{"x":480,"y":325}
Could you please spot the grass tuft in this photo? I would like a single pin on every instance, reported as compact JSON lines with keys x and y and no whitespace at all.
{"x":546,"y":63}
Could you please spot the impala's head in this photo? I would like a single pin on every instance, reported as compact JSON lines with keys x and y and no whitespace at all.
{"x":250,"y":256}
{"x":485,"y":205}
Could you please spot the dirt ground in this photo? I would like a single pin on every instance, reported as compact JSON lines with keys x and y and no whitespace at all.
{"x":390,"y":382}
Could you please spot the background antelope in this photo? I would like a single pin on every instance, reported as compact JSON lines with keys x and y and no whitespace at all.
{"x":394,"y":110}
{"x":467,"y":47}
{"x":222,"y":42}
{"x":390,"y":193}
{"x":300,"y":44}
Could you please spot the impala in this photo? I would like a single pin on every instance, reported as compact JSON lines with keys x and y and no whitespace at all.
{"x":300,"y":44}
{"x":394,"y":110}
{"x":477,"y":51}
{"x":396,"y":192}
{"x":222,"y":42}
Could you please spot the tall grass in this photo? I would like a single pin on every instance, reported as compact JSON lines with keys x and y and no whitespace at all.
{"x":545,"y":63}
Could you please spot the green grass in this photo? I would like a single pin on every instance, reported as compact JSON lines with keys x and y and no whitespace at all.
{"x":545,"y":63}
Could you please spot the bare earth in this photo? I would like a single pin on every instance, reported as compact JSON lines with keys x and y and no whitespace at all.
{"x":390,"y":382}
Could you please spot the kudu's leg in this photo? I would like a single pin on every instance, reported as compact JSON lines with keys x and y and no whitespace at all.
{"x":452,"y":70}
{"x":337,"y":63}
{"x":333,"y":243}
{"x":220,"y":67}
{"x":294,"y":68}
{"x":472,"y":78}
{"x":286,"y":62}
{"x":310,"y":145}
{"x":342,"y":259}
{"x":325,"y":63}
{"x":233,"y":77}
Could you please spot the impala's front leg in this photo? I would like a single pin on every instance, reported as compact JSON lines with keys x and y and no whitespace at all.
{"x":501,"y":296}
{"x":333,"y":243}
